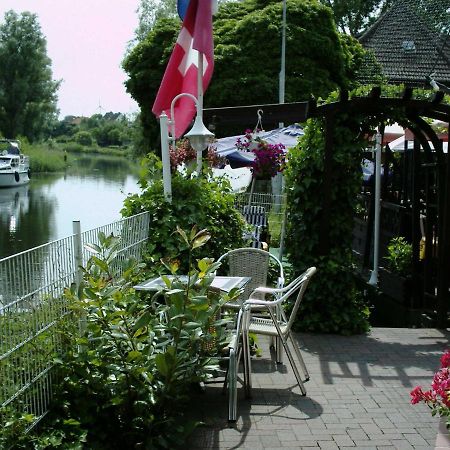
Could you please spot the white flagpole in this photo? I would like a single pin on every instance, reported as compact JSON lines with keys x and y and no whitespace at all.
{"x":199,"y":103}
{"x":282,"y":76}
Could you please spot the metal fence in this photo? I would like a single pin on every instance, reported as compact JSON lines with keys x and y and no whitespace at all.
{"x":274,"y":206}
{"x":32,"y":302}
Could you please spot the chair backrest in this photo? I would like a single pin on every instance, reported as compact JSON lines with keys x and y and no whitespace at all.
{"x":256,"y":216}
{"x":254,"y":263}
{"x":299,"y":285}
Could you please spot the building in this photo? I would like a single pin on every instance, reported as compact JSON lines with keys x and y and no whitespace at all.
{"x":409,"y":46}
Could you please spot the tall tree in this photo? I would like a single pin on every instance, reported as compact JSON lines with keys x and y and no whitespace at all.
{"x":149,"y":11}
{"x":247,"y":37}
{"x":354,"y":16}
{"x":27,"y":90}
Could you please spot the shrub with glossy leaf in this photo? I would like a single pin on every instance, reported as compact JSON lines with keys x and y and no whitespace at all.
{"x":128,"y":377}
{"x":198,"y":201}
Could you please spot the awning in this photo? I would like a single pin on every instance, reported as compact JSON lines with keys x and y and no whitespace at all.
{"x":226,"y":147}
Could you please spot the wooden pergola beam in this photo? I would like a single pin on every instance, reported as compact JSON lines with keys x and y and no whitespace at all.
{"x":272,"y":114}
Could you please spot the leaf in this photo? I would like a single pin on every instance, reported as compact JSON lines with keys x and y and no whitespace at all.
{"x":204,"y":264}
{"x":183,"y":235}
{"x":193,"y":232}
{"x":100,"y":263}
{"x":200,"y":239}
{"x":133,"y":355}
{"x":142,"y":322}
{"x":93,"y":248}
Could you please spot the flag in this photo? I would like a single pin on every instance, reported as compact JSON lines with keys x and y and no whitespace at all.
{"x":182,"y":6}
{"x":181,"y":71}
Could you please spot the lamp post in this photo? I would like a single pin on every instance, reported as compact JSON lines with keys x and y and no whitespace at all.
{"x":198,"y":136}
{"x":376,"y":229}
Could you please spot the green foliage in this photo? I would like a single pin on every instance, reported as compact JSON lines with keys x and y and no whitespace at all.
{"x":355,"y":16}
{"x":334,"y":303}
{"x":148,"y":13}
{"x":27,"y":91}
{"x":399,"y":257}
{"x":128,"y":377}
{"x":42,"y":158}
{"x":194,"y":200}
{"x":316,"y":60}
{"x":145,"y":66}
{"x":83,"y":138}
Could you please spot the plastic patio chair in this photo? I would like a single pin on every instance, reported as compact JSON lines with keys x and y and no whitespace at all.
{"x":277,"y":324}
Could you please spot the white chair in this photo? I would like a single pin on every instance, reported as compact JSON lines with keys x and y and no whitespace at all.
{"x":254,"y":263}
{"x":235,"y":350}
{"x":277,"y":324}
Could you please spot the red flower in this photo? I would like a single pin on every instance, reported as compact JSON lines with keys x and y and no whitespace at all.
{"x":416,"y":395}
{"x":445,"y":359}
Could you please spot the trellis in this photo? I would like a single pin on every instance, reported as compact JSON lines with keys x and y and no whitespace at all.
{"x":432,"y":281}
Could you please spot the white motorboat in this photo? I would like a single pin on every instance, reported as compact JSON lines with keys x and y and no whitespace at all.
{"x":14,"y":167}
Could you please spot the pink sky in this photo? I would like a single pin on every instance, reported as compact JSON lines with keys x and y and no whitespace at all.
{"x":86,"y":41}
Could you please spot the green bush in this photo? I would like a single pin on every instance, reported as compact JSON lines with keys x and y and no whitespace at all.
{"x":399,"y":258}
{"x":206,"y":203}
{"x":83,"y":138}
{"x":334,"y":304}
{"x":128,"y":376}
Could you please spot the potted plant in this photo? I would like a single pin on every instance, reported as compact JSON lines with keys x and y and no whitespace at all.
{"x":395,"y":278}
{"x":438,"y":400}
{"x":183,"y":153}
{"x":269,"y":158}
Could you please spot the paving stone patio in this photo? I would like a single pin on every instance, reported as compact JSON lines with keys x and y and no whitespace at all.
{"x":358,"y":396}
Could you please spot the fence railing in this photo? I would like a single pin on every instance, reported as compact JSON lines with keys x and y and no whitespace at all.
{"x":274,"y":206}
{"x":32,"y":302}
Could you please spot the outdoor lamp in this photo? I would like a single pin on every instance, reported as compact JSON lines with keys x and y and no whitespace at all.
{"x":199,"y":136}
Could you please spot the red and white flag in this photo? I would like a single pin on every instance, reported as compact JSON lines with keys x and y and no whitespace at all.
{"x":181,"y":71}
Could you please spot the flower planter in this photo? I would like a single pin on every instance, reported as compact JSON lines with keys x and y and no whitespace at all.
{"x":395,"y":286}
{"x":443,"y":436}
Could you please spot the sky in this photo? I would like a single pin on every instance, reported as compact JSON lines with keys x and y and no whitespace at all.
{"x":86,"y":41}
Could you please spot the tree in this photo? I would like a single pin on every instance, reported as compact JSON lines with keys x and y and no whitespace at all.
{"x":149,"y":11}
{"x":247,"y":37}
{"x":27,"y":91}
{"x":354,"y":16}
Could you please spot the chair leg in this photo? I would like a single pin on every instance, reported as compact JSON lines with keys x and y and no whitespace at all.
{"x":232,"y":386}
{"x":247,"y":364}
{"x":278,"y":350}
{"x":299,"y":357}
{"x":294,"y":366}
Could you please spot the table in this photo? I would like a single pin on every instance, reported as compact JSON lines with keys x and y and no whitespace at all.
{"x":224,"y":284}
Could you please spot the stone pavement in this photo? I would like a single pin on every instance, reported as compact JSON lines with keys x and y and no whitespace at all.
{"x":357,"y":398}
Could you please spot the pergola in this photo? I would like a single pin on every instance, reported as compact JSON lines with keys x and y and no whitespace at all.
{"x":428,"y":196}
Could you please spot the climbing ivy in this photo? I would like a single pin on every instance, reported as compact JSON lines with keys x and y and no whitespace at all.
{"x":333,"y":303}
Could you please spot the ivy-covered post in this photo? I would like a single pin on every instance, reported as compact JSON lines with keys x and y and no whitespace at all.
{"x":324,"y":243}
{"x":323,"y":179}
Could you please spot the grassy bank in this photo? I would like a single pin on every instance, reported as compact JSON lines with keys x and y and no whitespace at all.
{"x":53,"y":157}
{"x":43,"y":159}
{"x":73,"y":147}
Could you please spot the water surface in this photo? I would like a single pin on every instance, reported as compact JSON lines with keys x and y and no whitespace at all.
{"x":92,"y":191}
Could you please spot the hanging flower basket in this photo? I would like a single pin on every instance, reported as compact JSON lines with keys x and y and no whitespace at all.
{"x":269,"y":158}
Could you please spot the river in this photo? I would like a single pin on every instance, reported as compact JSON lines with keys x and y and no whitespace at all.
{"x":92,"y":190}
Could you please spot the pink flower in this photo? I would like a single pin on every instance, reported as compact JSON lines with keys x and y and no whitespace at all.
{"x":445,"y":359}
{"x":416,"y":395}
{"x":438,"y":397}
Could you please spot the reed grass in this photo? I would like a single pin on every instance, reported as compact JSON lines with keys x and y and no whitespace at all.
{"x":44,"y":159}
